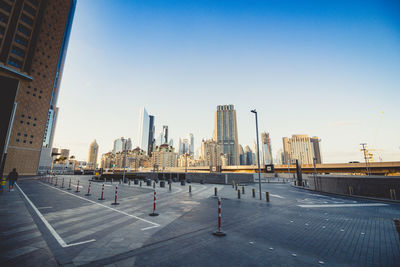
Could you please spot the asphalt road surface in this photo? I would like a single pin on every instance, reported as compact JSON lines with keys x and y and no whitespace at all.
{"x":296,"y":228}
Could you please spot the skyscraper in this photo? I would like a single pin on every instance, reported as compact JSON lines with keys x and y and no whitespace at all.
{"x":225,"y":132}
{"x":33,"y":43}
{"x":93,"y":153}
{"x":191,"y":148}
{"x":164,"y":139}
{"x":302,"y":148}
{"x":266,"y":149}
{"x":317,"y":152}
{"x":121,"y":144}
{"x":248,"y":156}
{"x":146,"y":131}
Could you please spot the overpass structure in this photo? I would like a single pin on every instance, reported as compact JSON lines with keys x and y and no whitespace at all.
{"x":376,"y":168}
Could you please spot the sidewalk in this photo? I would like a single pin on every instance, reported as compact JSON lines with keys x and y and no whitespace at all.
{"x":21,"y":242}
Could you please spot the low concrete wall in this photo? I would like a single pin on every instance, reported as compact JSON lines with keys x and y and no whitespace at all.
{"x":210,"y":178}
{"x":366,"y":186}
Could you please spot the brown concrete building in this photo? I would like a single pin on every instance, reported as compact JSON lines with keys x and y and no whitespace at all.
{"x":34,"y":37}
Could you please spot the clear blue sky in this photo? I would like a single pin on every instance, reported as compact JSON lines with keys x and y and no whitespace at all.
{"x":324,"y":68}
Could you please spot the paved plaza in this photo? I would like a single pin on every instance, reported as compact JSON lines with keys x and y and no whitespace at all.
{"x":47,"y":225}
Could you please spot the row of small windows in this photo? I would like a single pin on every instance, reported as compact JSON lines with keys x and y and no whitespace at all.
{"x":34,"y":93}
{"x":29,"y":117}
{"x":25,"y":135}
{"x":6,"y":7}
{"x":30,"y":142}
{"x":28,"y":123}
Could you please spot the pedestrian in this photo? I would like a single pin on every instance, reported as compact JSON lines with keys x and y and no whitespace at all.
{"x":12,"y":178}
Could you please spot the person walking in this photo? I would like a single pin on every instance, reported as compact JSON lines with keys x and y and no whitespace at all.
{"x":12,"y":178}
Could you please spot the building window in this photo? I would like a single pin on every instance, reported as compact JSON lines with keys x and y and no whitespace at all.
{"x":30,"y":142}
{"x":28,"y":122}
{"x":14,"y":62}
{"x":24,"y":141}
{"x":18,"y":134}
{"x":27,"y":19}
{"x":6,"y":7}
{"x":21,"y":40}
{"x":34,"y":124}
{"x":18,"y":51}
{"x":3,"y":18}
{"x":30,"y":10}
{"x":17,"y":140}
{"x":25,"y":135}
{"x":24,"y":30}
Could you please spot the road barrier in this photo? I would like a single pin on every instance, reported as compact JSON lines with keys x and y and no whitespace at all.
{"x":219,"y":232}
{"x":69,"y":187}
{"x":236,"y":187}
{"x":102,"y":193}
{"x":154,"y":206}
{"x":267,"y":196}
{"x":154,"y":184}
{"x":169,"y":185}
{"x":392,"y":194}
{"x":215,"y":191}
{"x":129,"y":183}
{"x":77,"y":188}
{"x":115,"y":198}
{"x":238,"y":194}
{"x":88,"y":190}
{"x":140,"y":183}
{"x":190,"y":189}
{"x":254,"y":192}
{"x":62,"y":185}
{"x":233,"y":184}
{"x":243,"y":190}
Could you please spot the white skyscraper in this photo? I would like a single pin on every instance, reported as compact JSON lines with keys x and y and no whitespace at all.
{"x":146,"y":131}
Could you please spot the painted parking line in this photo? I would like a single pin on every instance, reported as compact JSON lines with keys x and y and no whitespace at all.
{"x":343,"y":205}
{"x":278,"y":196}
{"x":47,"y":224}
{"x":104,"y":206}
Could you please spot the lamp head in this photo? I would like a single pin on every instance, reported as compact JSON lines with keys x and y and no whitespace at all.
{"x":253,"y":111}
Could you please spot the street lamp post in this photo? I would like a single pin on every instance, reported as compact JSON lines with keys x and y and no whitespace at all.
{"x":258,"y":153}
{"x":123,"y":176}
{"x":315,"y":172}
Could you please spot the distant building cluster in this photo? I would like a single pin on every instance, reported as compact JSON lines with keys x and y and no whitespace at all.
{"x":223,"y":149}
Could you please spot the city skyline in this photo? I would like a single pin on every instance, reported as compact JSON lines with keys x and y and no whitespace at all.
{"x":332,"y":78}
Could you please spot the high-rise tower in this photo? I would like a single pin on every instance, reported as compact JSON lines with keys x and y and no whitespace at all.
{"x":146,"y":131}
{"x":266,"y":148}
{"x":225,"y":133}
{"x":34,"y":38}
{"x":93,"y":153}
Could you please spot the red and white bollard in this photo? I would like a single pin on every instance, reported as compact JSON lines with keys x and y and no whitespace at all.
{"x":88,"y":190}
{"x":62,"y":185}
{"x":102,"y":193}
{"x":219,"y":232}
{"x":77,"y":188}
{"x":115,"y":199}
{"x":154,"y":206}
{"x":69,"y":187}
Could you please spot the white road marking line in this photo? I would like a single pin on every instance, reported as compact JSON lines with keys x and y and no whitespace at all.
{"x":46,"y":223}
{"x":343,"y":205}
{"x":94,"y":202}
{"x":40,"y":208}
{"x":278,"y":196}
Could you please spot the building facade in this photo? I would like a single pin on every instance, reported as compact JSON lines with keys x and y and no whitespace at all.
{"x":211,"y":154}
{"x":266,"y":149}
{"x":301,"y":148}
{"x":146,"y":131}
{"x":164,"y":156}
{"x":226,"y":134}
{"x":93,"y":154}
{"x":34,"y":38}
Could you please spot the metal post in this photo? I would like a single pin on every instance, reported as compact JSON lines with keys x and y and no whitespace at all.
{"x":315,"y":173}
{"x":364,"y":149}
{"x":258,"y":154}
{"x":123,"y":176}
